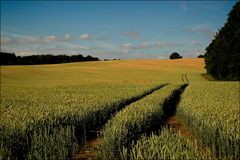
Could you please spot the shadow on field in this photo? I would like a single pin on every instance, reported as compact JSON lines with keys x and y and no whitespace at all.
{"x":208,"y":77}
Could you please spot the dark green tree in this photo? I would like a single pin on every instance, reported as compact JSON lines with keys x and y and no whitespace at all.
{"x":11,"y":59}
{"x":7,"y":58}
{"x":175,"y":55}
{"x":222,"y":56}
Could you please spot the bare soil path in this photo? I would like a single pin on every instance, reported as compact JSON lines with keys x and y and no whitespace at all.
{"x":89,"y":150}
{"x":178,"y":126}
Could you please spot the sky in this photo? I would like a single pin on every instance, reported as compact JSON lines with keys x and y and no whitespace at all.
{"x":111,"y":29}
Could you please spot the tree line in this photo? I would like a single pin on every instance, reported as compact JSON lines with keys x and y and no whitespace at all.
{"x":12,"y":59}
{"x":222,"y":56}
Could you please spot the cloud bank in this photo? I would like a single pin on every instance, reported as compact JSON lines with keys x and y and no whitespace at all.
{"x":24,"y":39}
{"x":100,"y":47}
{"x":204,"y":29}
{"x":150,"y":45}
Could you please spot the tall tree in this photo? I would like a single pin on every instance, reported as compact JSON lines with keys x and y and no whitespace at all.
{"x":222,"y":56}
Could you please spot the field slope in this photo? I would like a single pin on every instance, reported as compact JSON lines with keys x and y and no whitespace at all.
{"x":122,"y":70}
{"x":48,"y":111}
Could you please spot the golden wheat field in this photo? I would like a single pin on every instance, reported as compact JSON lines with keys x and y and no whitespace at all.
{"x":109,"y":109}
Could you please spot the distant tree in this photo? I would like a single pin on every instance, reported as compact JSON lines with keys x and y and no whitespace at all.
{"x":200,"y":56}
{"x":222,"y":56}
{"x":175,"y":55}
{"x":90,"y":58}
{"x":10,"y":59}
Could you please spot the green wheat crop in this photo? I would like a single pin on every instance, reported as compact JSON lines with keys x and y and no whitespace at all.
{"x":211,"y":109}
{"x":57,"y":117}
{"x":135,"y":119}
{"x":166,"y":145}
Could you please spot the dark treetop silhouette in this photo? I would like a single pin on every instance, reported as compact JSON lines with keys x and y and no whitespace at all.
{"x":222,"y":56}
{"x":12,"y":59}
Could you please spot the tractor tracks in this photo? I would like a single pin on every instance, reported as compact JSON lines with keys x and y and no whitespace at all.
{"x":89,"y":149}
{"x":184,"y":78}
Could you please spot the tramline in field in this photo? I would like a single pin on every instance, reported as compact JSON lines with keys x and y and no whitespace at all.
{"x":136,"y":119}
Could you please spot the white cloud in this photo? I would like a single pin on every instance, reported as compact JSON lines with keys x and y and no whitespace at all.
{"x":25,"y":53}
{"x":204,"y":29}
{"x":160,"y":44}
{"x":144,"y":45}
{"x":85,"y":36}
{"x":51,"y":38}
{"x":19,"y":39}
{"x":191,"y":53}
{"x":67,"y":37}
{"x":32,"y":40}
{"x":128,"y":46}
{"x":163,"y":56}
{"x":19,"y":52}
{"x":199,"y":28}
{"x":56,"y":50}
{"x":149,"y":45}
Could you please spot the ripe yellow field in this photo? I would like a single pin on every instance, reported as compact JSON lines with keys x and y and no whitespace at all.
{"x":121,"y":70}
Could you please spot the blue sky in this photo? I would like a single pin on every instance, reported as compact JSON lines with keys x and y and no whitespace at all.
{"x":111,"y":29}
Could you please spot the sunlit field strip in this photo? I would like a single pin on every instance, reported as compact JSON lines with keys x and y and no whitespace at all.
{"x":211,"y":109}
